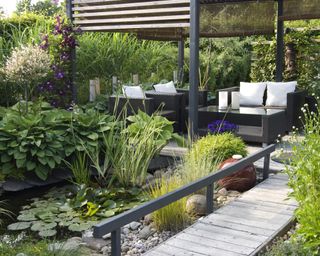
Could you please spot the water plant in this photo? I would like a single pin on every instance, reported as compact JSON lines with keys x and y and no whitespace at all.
{"x":80,"y":168}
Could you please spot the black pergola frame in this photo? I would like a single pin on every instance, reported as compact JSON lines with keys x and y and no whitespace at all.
{"x":194,"y":35}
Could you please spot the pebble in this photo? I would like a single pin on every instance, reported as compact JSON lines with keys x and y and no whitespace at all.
{"x":134,"y":225}
{"x":223,"y":192}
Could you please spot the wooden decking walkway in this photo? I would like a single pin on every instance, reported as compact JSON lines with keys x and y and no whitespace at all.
{"x":242,"y":227}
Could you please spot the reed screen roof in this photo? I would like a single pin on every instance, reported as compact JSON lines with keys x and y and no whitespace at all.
{"x":170,"y":19}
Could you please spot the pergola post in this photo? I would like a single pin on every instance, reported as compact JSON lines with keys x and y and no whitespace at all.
{"x":73,"y":56}
{"x":194,"y":66}
{"x":280,"y":43}
{"x":180,"y":60}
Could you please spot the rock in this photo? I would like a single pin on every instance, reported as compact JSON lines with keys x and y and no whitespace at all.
{"x":158,"y":174}
{"x":21,"y":254}
{"x":146,"y":232}
{"x":125,"y":231}
{"x":95,"y":243}
{"x":87,"y":233}
{"x":241,"y":180}
{"x":134,"y":225}
{"x":197,"y":204}
{"x":107,"y":236}
{"x":223,"y":192}
{"x":147,"y":219}
{"x":72,"y":244}
{"x":149,"y":178}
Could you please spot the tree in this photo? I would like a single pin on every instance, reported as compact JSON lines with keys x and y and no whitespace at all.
{"x":1,"y":12}
{"x":23,"y":6}
{"x":46,"y":8}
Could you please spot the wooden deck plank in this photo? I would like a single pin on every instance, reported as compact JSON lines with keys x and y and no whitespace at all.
{"x":286,"y":211}
{"x":229,"y":232}
{"x":199,"y":248}
{"x":241,"y":227}
{"x":231,"y":239}
{"x":213,"y":243}
{"x":251,"y":222}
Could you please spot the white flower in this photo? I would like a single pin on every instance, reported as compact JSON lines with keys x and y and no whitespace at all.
{"x":306,"y":105}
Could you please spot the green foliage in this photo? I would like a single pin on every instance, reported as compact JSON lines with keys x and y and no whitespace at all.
{"x":4,"y":211}
{"x":139,"y":143}
{"x":307,"y":66}
{"x":39,"y":140}
{"x":74,"y":209}
{"x":217,"y":147}
{"x":174,"y":216}
{"x":80,"y":168}
{"x":304,"y":180}
{"x":291,"y":247}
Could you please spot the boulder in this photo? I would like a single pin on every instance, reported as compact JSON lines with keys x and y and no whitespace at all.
{"x":197,"y":205}
{"x":241,"y":180}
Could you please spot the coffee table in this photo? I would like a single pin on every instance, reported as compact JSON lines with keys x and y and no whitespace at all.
{"x":255,"y":124}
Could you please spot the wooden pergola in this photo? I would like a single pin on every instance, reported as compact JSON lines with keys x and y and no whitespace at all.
{"x":175,"y":20}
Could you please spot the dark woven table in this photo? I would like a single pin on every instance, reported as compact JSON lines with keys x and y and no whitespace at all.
{"x":255,"y":124}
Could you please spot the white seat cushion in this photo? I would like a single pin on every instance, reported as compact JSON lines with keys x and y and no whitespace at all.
{"x":167,"y":88}
{"x":277,"y":93}
{"x":133,"y":92}
{"x":251,"y":94}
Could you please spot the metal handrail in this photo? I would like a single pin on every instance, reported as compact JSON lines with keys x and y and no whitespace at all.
{"x":113,"y":225}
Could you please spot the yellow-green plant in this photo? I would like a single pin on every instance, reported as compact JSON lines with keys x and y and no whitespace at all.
{"x":216,"y":147}
{"x":174,"y":216}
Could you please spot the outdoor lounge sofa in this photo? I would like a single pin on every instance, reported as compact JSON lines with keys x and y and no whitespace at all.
{"x":165,"y":104}
{"x":295,"y":101}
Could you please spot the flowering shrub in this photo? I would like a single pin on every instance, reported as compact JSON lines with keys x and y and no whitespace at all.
{"x":27,"y":66}
{"x":304,"y":175}
{"x":221,"y":126}
{"x":60,"y":44}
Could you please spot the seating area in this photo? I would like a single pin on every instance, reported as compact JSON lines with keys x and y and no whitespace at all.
{"x":264,"y":112}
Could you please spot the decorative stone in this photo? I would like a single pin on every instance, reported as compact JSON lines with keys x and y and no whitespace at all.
{"x":197,"y":204}
{"x":223,"y":192}
{"x":146,"y":232}
{"x":158,"y":174}
{"x":147,"y":219}
{"x":241,"y":180}
{"x":134,"y":225}
{"x":95,"y":243}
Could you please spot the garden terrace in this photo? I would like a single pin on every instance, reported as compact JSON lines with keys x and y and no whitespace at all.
{"x":177,"y":19}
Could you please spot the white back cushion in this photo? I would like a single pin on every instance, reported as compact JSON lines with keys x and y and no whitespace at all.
{"x":134,"y":92}
{"x":277,"y":93}
{"x":251,"y":94}
{"x":167,"y":88}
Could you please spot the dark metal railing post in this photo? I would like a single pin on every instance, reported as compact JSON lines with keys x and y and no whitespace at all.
{"x":180,"y":60}
{"x":194,"y":66}
{"x":210,"y":189}
{"x":266,"y":167}
{"x":116,"y":242}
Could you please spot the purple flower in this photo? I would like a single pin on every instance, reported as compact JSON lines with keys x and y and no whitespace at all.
{"x":64,"y":56}
{"x":56,"y":2}
{"x":221,"y":126}
{"x":59,"y":75}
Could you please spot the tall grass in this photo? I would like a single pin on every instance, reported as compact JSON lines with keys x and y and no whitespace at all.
{"x":174,"y":216}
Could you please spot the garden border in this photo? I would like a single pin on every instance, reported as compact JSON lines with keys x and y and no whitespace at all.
{"x":113,"y":225}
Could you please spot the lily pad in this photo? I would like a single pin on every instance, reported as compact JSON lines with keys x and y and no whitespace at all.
{"x":27,"y":217}
{"x":45,"y":215}
{"x":47,"y":233}
{"x":19,"y":226}
{"x":41,"y":226}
